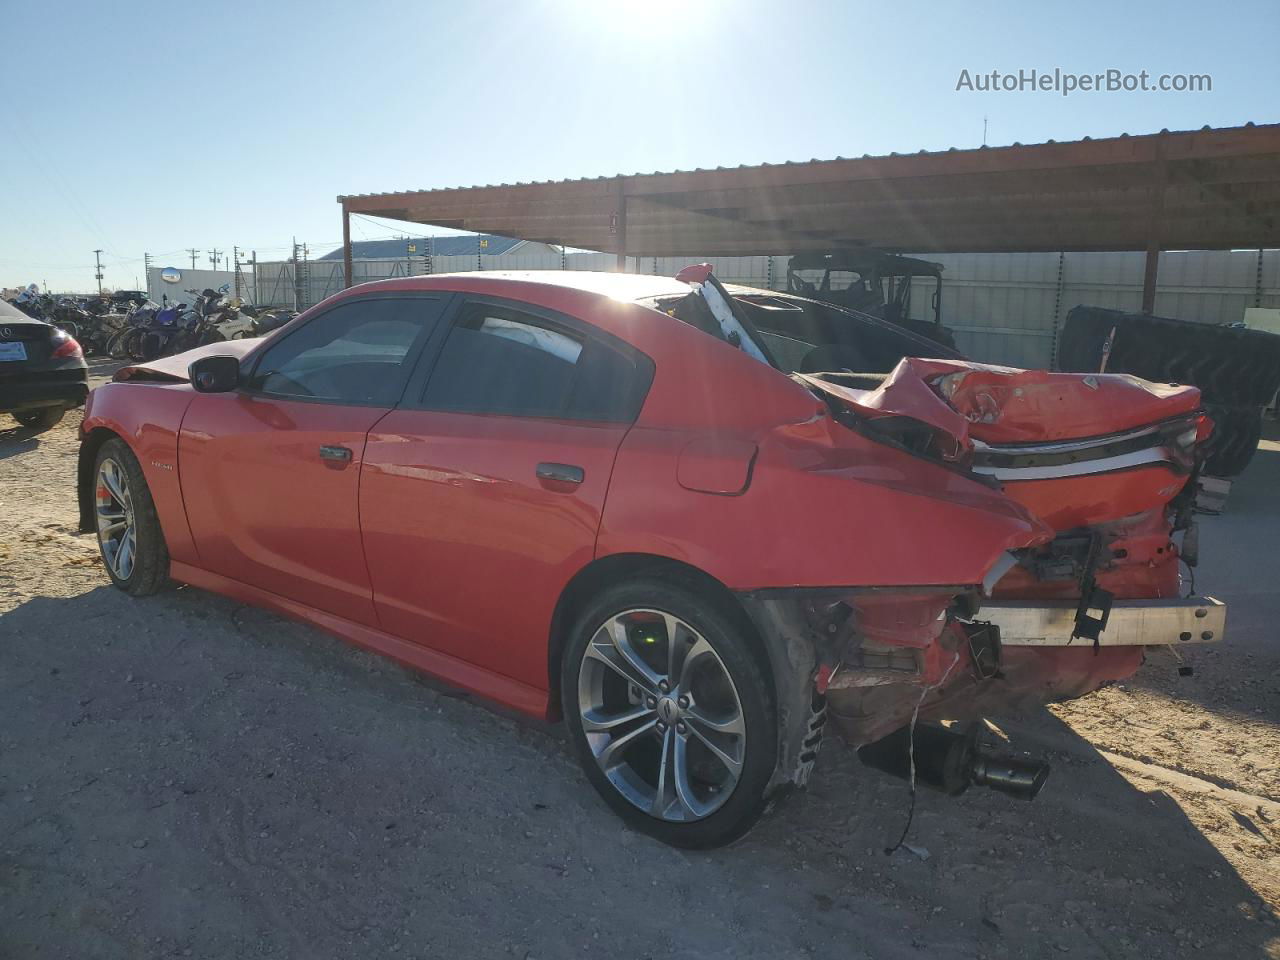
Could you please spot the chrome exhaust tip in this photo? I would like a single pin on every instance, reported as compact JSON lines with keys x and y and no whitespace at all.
{"x":1012,"y":775}
{"x":952,"y":762}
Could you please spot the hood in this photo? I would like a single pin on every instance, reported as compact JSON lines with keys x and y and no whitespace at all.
{"x":174,"y":369}
{"x":995,"y":405}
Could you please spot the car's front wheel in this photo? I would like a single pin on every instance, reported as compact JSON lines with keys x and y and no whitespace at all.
{"x":129,"y":534}
{"x":669,"y":708}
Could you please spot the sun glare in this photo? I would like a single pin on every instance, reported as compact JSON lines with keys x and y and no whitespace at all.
{"x":642,"y":19}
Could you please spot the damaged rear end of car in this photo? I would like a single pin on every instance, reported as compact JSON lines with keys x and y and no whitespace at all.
{"x":1105,"y":466}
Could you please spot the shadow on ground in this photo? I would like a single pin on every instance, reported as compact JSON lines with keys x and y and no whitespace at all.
{"x":17,"y":440}
{"x":185,"y":776}
{"x":1237,"y":560}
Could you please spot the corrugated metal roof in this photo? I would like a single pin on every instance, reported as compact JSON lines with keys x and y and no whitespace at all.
{"x":1210,"y":188}
{"x":811,"y":162}
{"x":439,"y":247}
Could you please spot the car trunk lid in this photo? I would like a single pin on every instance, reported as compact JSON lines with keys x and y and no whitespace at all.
{"x":1057,"y":442}
{"x":22,"y":341}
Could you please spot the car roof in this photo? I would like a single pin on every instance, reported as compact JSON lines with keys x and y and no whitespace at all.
{"x":627,"y":287}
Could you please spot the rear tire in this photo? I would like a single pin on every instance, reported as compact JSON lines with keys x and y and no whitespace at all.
{"x":129,"y":535}
{"x":46,"y":418}
{"x":670,"y":711}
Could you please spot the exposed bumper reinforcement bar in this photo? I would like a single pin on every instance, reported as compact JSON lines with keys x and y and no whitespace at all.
{"x":1132,"y":623}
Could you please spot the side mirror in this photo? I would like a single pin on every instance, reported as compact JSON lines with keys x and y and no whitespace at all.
{"x":215,"y":374}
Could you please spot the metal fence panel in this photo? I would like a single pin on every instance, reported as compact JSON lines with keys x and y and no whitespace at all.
{"x":1004,"y":307}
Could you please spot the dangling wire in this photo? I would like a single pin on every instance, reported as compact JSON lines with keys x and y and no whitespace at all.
{"x":911,"y":755}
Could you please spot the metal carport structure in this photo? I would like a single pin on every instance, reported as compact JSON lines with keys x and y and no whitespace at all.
{"x":1208,"y":189}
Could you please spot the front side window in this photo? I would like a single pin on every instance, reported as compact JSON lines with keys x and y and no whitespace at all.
{"x":358,"y":352}
{"x":501,"y":360}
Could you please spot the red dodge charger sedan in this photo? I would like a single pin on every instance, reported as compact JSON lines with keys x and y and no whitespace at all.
{"x":697,"y":522}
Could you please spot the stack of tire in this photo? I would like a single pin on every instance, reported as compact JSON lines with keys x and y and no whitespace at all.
{"x":1236,"y":369}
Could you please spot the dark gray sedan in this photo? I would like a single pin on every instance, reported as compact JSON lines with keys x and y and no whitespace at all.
{"x":42,"y":370}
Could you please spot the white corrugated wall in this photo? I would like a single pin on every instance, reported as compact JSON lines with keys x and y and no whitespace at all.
{"x":1004,"y":307}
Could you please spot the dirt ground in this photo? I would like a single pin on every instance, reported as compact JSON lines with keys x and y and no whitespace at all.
{"x":183,"y":776}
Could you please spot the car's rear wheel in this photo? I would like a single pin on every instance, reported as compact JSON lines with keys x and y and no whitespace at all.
{"x":129,"y":534}
{"x":668,"y":707}
{"x":45,"y":418}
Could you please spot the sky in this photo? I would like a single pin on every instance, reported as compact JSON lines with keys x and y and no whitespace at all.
{"x":156,"y":126}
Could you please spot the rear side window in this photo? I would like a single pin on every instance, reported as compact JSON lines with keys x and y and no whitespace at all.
{"x":358,"y":352}
{"x":500,"y":360}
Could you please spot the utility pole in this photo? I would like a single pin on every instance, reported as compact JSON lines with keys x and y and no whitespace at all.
{"x":235,"y":267}
{"x":214,"y":256}
{"x":146,"y":269}
{"x":193,"y":251}
{"x":304,"y":277}
{"x":97,"y":260}
{"x":297,"y":279}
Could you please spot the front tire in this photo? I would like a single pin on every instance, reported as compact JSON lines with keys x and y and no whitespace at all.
{"x":129,"y":535}
{"x":669,"y":709}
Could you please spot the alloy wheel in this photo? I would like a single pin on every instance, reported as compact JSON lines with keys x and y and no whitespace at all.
{"x":117,"y":532}
{"x":661,"y":715}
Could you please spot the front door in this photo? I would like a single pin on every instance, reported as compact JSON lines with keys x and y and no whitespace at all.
{"x":271,"y":472}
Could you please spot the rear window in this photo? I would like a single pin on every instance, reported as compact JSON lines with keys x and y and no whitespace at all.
{"x":809,"y":337}
{"x":499,"y":360}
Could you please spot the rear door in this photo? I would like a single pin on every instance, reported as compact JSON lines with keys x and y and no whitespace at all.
{"x":270,"y":473}
{"x":482,"y":495}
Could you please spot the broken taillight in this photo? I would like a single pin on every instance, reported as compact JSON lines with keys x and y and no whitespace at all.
{"x":1195,"y":432}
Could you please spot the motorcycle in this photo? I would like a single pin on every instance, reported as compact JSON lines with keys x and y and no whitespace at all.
{"x":264,"y":321}
{"x":129,"y":327}
{"x":233,"y":319}
{"x":67,"y":315}
{"x":58,"y":312}
{"x":165,"y":333}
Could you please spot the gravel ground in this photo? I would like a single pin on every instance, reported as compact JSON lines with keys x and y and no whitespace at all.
{"x":185,"y":776}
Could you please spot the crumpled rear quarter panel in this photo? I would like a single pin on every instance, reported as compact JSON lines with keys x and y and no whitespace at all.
{"x":823,"y":507}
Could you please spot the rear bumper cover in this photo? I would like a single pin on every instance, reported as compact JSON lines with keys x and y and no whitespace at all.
{"x":57,"y":389}
{"x":1132,"y":623}
{"x":896,"y":652}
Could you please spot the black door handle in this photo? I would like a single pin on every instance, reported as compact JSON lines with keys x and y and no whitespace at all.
{"x":560,"y":472}
{"x":340,"y":454}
